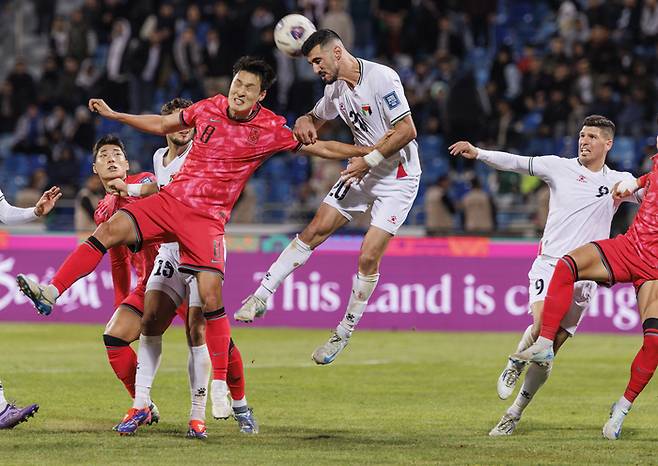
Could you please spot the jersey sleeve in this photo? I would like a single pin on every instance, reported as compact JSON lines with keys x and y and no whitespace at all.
{"x":284,"y":140}
{"x":188,"y":115}
{"x":120,"y":261}
{"x":325,"y":109}
{"x":11,"y":215}
{"x":393,"y":101}
{"x":543,"y":167}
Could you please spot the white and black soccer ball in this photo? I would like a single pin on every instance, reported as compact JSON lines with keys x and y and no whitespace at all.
{"x":291,"y":32}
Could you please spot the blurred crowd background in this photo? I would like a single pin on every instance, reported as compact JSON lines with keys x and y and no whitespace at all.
{"x":514,"y":75}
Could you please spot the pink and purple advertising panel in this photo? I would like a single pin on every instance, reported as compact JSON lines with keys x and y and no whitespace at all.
{"x":435,"y":284}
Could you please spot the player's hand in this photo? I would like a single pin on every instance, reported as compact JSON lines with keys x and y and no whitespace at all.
{"x":99,"y":106}
{"x":47,"y":201}
{"x":624,"y":188}
{"x":304,"y":130}
{"x":464,"y":148}
{"x":356,"y":169}
{"x":117,"y":187}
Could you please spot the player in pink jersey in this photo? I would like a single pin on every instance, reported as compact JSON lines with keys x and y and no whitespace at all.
{"x":627,"y":258}
{"x":234,"y":135}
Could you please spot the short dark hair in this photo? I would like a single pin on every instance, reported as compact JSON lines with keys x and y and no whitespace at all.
{"x":602,"y":122}
{"x":109,"y":140}
{"x":174,"y":104}
{"x":256,"y":66}
{"x":320,"y":37}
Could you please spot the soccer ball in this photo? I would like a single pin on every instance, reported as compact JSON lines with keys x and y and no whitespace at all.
{"x":291,"y":32}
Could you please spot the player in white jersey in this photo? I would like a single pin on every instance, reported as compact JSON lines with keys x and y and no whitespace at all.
{"x":370,"y":99}
{"x":10,"y":414}
{"x":167,"y":289}
{"x":581,"y":208}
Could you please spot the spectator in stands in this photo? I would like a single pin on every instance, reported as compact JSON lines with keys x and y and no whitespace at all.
{"x":81,"y":39}
{"x":8,"y":112}
{"x":337,"y":19}
{"x":478,"y":209}
{"x":30,"y":194}
{"x":63,"y":169}
{"x":22,"y":84}
{"x":86,"y":202}
{"x":188,"y":59}
{"x":439,"y":208}
{"x":649,"y":22}
{"x":30,"y":132}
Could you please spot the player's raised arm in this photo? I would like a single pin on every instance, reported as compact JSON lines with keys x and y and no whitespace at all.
{"x":155,"y":124}
{"x":11,"y":215}
{"x":496,"y":159}
{"x":402,"y":133}
{"x":335,"y":150}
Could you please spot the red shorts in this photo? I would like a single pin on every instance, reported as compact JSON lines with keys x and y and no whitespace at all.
{"x":623,"y":263}
{"x":135,"y":301}
{"x":163,"y":218}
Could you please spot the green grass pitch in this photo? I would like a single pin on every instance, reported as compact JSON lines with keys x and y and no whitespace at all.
{"x":391,"y":398}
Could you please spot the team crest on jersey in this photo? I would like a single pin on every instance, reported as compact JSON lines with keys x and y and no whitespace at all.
{"x":254,"y":134}
{"x":366,"y":110}
{"x":342,"y":108}
{"x":582,"y":179}
{"x":392,"y":100}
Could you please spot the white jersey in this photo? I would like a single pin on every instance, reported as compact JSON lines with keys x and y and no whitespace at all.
{"x":373,"y":107}
{"x":581,"y":206}
{"x":164,"y":175}
{"x":11,"y":215}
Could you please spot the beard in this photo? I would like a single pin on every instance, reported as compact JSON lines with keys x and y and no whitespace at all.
{"x":329,"y":78}
{"x":177,"y":141}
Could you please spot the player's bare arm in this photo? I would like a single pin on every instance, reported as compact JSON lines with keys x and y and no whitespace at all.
{"x":335,"y":150}
{"x":391,"y":143}
{"x":155,"y":124}
{"x":47,"y":201}
{"x":306,"y":128}
{"x":121,"y":188}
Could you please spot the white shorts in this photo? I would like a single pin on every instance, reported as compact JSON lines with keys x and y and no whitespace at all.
{"x":540,"y":276}
{"x":165,"y":277}
{"x":391,"y":200}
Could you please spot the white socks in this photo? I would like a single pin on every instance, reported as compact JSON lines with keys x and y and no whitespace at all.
{"x":148,"y":361}
{"x":535,"y":377}
{"x":526,"y":340}
{"x":624,"y":404}
{"x":362,"y":288}
{"x":544,"y":342}
{"x":198,"y":369}
{"x":240,"y":403}
{"x":294,"y":255}
{"x":3,"y":402}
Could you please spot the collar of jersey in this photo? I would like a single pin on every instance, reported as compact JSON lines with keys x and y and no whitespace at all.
{"x":249,"y":118}
{"x":604,"y":169}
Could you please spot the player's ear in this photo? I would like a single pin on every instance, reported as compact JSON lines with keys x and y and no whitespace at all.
{"x":338,"y":52}
{"x":262,"y":95}
{"x":93,"y":168}
{"x":608,"y":144}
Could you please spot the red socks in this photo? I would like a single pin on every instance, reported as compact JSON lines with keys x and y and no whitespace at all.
{"x":82,"y":261}
{"x":645,"y":361}
{"x":559,"y":296}
{"x":123,"y":361}
{"x":218,"y":337}
{"x":235,"y":379}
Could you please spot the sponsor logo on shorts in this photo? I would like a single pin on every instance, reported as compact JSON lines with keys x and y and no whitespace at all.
{"x":393,"y":219}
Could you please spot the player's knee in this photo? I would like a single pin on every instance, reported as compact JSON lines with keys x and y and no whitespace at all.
{"x":566,"y":270}
{"x":368,"y":262}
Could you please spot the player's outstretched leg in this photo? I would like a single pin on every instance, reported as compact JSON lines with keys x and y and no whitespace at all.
{"x":11,"y":415}
{"x":513,"y":369}
{"x":362,"y":288}
{"x":534,"y":379}
{"x":293,"y":256}
{"x":119,"y":229}
{"x":642,"y":369}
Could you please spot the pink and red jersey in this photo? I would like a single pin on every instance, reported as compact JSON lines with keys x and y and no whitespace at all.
{"x":644,"y":229}
{"x":120,"y":256}
{"x":225,"y":154}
